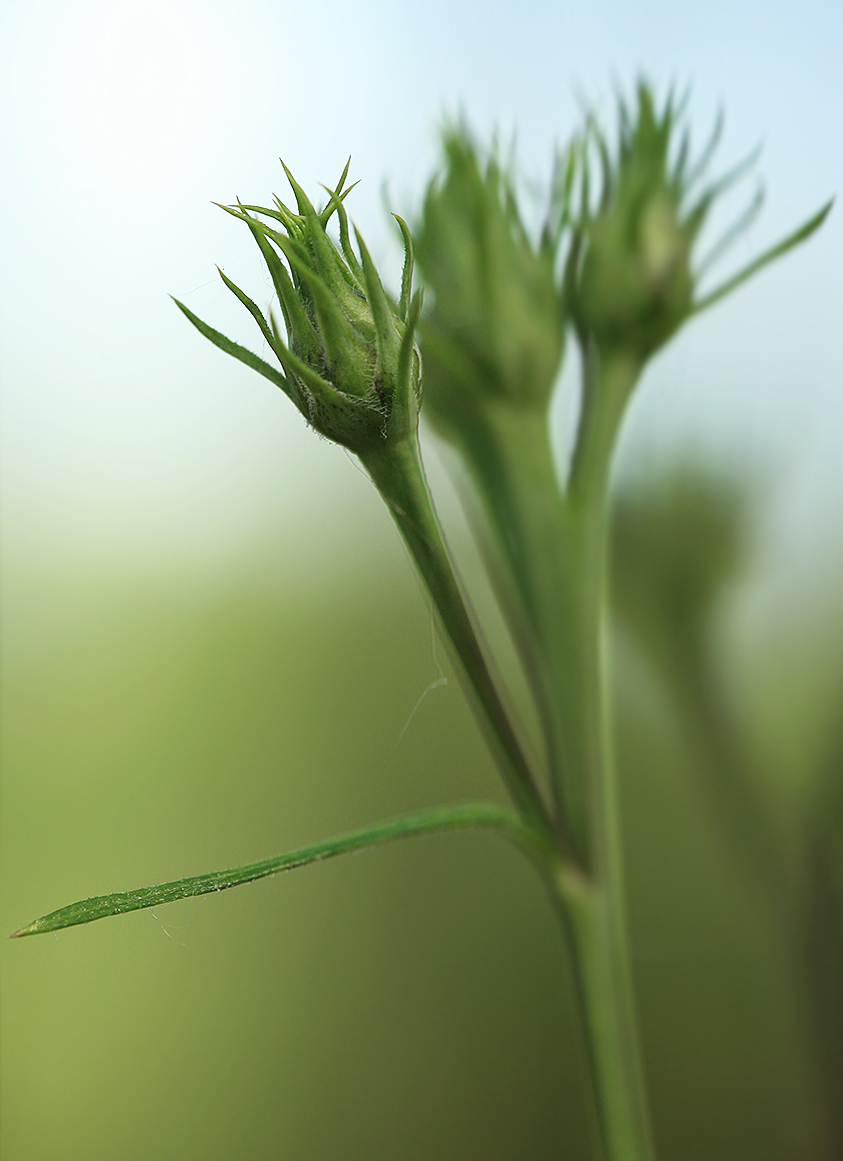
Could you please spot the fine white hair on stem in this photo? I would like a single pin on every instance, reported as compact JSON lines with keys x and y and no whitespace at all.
{"x":441,"y":680}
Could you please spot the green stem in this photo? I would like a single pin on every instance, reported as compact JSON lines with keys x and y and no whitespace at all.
{"x":397,"y":472}
{"x":595,"y":919}
{"x":556,"y":552}
{"x":507,"y":449}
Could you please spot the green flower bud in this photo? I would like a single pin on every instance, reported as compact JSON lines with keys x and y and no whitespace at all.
{"x":630,"y":280}
{"x":349,"y":361}
{"x":629,"y":276}
{"x":496,"y":328}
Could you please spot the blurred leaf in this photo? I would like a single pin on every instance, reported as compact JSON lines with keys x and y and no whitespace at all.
{"x":802,"y":234}
{"x":677,"y":541}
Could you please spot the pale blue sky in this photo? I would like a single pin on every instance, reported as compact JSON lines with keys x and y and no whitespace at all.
{"x":124,"y":433}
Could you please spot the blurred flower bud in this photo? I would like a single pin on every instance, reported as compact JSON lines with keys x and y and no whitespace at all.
{"x":349,"y":360}
{"x":630,"y":282}
{"x":629,"y":278}
{"x":496,"y":327}
{"x":680,"y":537}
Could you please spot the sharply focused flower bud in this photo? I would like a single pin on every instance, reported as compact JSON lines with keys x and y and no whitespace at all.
{"x":630,"y":278}
{"x":496,"y":327}
{"x":349,"y":360}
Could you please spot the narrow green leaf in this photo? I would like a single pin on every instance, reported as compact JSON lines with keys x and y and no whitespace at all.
{"x":286,"y":242}
{"x":252,"y":307}
{"x":801,"y":235}
{"x":299,"y":326}
{"x":459,"y":817}
{"x":232,"y":348}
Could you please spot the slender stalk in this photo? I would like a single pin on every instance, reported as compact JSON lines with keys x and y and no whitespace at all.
{"x":553,"y":552}
{"x":565,"y":592}
{"x":507,"y":448}
{"x":594,"y":909}
{"x":398,"y":474}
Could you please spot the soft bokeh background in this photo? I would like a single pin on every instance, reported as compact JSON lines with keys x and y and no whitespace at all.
{"x":213,"y":642}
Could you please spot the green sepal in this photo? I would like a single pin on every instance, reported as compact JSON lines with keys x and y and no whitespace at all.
{"x":407,"y":271}
{"x":304,"y":271}
{"x":346,"y":419}
{"x":251,"y":307}
{"x":232,"y":348}
{"x":281,"y":214}
{"x":345,"y":351}
{"x":338,"y":195}
{"x":302,"y":200}
{"x":407,"y":399}
{"x":386,"y":334}
{"x":707,"y":154}
{"x":345,"y":241}
{"x":295,"y":318}
{"x":795,"y":239}
{"x":322,"y":254}
{"x":738,"y":227}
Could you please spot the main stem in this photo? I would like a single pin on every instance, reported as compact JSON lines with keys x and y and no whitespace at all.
{"x":586,"y":883}
{"x":593,"y":906}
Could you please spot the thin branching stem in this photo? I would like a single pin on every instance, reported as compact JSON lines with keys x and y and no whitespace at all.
{"x":399,"y":476}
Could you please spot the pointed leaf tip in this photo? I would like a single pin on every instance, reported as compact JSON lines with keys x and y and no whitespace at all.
{"x":407,"y":272}
{"x":797,"y":237}
{"x":231,"y":348}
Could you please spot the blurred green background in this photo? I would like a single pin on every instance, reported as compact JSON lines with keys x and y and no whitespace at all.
{"x":212,"y":641}
{"x":412,"y":1001}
